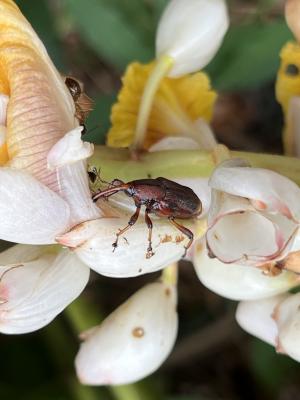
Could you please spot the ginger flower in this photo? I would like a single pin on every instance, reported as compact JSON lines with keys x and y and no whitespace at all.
{"x":177,"y":107}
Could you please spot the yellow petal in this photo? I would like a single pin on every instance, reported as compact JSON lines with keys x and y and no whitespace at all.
{"x":177,"y":103}
{"x":287,"y":87}
{"x":288,"y":84}
{"x":40,"y":110}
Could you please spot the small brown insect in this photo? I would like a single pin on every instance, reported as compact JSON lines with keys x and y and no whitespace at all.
{"x":161,"y":197}
{"x":83,"y":104}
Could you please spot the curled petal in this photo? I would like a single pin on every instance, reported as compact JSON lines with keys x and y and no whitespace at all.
{"x":30,"y":212}
{"x":191,"y":33}
{"x":287,"y":317}
{"x":269,"y":190}
{"x":239,"y":282}
{"x":133,"y":341}
{"x":69,"y":149}
{"x":92,"y":241}
{"x":256,"y":317}
{"x":34,"y":291}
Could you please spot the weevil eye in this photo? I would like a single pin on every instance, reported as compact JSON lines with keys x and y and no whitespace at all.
{"x":292,"y":70}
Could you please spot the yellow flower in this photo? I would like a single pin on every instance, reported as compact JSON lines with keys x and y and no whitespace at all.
{"x":177,"y":104}
{"x":287,"y":91}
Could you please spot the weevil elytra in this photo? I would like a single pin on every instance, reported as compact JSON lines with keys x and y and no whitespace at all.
{"x":161,"y":197}
{"x":83,"y":104}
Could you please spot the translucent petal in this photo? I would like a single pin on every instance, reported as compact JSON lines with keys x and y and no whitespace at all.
{"x":30,"y":212}
{"x":133,"y":341}
{"x":174,"y":143}
{"x":69,"y":149}
{"x":33,"y":292}
{"x":256,"y":317}
{"x":191,"y":32}
{"x":239,"y":282}
{"x":92,"y":241}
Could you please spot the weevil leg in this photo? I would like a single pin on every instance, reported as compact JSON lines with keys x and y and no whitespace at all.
{"x":185,"y":231}
{"x":149,"y":223}
{"x":131,"y":222}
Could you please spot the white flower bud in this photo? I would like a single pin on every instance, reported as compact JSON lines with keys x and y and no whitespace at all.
{"x":191,"y":31}
{"x":257,"y":317}
{"x":133,"y":341}
{"x":287,"y":317}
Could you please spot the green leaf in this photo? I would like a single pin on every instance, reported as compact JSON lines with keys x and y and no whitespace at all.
{"x":249,"y":55}
{"x":105,"y":27}
{"x":99,"y":119}
{"x":39,"y":15}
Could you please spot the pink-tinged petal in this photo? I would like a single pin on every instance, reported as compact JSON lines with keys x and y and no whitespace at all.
{"x":274,"y":192}
{"x":30,"y":212}
{"x":40,"y":109}
{"x":287,"y":317}
{"x":243,"y":238}
{"x":34,"y":292}
{"x":239,"y":282}
{"x":133,"y":341}
{"x":257,"y":317}
{"x":92,"y":241}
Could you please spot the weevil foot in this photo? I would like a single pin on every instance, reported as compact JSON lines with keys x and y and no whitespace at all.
{"x":115,"y":245}
{"x":150,"y":253}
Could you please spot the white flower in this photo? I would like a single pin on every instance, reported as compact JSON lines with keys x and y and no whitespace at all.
{"x":133,"y":341}
{"x":36,"y":284}
{"x":254,"y":214}
{"x":191,"y":31}
{"x":275,"y":320}
{"x":37,"y":203}
{"x":239,"y":282}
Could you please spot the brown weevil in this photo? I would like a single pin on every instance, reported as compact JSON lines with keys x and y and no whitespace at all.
{"x":83,"y":104}
{"x":161,"y":197}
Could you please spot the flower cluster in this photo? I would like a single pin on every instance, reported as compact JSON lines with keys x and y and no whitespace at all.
{"x":246,"y":241}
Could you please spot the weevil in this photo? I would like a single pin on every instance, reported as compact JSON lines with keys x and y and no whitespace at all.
{"x":83,"y":104}
{"x":160,"y":196}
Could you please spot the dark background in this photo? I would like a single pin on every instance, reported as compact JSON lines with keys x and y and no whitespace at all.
{"x":94,"y":40}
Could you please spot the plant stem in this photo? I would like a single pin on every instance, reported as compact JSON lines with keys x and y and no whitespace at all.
{"x":116,"y":163}
{"x":161,"y":68}
{"x":170,"y":274}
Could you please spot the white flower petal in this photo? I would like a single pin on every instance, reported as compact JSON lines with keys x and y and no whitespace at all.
{"x":74,"y":188}
{"x":174,"y":143}
{"x":271,"y":191}
{"x":69,"y":149}
{"x":92,"y":242}
{"x":133,"y":341}
{"x":32,"y":293}
{"x":29,"y":211}
{"x":239,"y":282}
{"x":3,"y":108}
{"x":287,"y":317}
{"x":256,"y":318}
{"x":191,"y":33}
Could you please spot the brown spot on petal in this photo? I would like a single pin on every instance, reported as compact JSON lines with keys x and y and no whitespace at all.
{"x":168,"y":292}
{"x":166,"y":239}
{"x":138,"y":332}
{"x":179,"y":239}
{"x":271,"y":269}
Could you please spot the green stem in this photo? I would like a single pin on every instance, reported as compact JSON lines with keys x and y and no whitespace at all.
{"x":170,"y":274}
{"x":116,"y":163}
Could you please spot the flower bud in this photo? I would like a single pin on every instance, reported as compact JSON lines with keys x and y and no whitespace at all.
{"x":133,"y":341}
{"x":191,"y":31}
